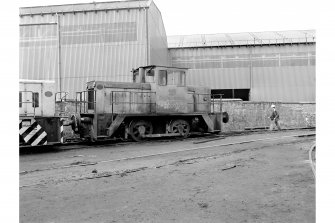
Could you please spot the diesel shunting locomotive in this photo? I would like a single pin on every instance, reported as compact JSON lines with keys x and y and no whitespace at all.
{"x":157,"y":103}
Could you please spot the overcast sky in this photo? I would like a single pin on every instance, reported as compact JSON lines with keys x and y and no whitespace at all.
{"x":182,"y":17}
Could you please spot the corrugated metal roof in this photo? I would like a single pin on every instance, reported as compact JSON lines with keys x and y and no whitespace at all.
{"x":240,"y":39}
{"x":82,"y":7}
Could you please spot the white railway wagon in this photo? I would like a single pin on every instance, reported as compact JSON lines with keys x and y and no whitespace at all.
{"x":38,"y":124}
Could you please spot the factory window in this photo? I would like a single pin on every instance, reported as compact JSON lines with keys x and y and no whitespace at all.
{"x":20,"y":99}
{"x":311,"y":57}
{"x":38,"y":35}
{"x":265,"y":63}
{"x":243,"y":60}
{"x":99,"y":33}
{"x":242,"y":94}
{"x":35,"y":99}
{"x":265,"y":60}
{"x":162,"y":77}
{"x":294,"y":62}
{"x":294,"y":59}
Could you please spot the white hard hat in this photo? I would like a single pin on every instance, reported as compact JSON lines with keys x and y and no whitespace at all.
{"x":273,"y":106}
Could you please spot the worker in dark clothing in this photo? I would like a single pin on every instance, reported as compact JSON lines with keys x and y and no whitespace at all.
{"x":274,"y":118}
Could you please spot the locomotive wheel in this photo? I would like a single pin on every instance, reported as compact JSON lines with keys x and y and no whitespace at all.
{"x":140,"y":128}
{"x":180,"y":126}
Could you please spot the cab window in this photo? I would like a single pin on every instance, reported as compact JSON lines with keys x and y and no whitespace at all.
{"x":182,"y":79}
{"x":149,"y":76}
{"x":91,"y":99}
{"x":177,"y":78}
{"x":35,"y":99}
{"x":171,"y":78}
{"x":20,"y":100}
{"x":162,"y":77}
{"x":136,"y":77}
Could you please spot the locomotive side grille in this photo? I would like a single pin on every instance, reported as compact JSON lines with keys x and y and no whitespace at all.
{"x":32,"y":134}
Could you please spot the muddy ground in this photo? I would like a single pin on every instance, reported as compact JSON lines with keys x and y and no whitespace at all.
{"x":263,"y":181}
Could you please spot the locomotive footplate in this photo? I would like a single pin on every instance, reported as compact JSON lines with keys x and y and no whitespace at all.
{"x":161,"y":135}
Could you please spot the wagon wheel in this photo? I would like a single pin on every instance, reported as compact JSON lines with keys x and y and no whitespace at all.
{"x":140,"y":128}
{"x":180,"y":126}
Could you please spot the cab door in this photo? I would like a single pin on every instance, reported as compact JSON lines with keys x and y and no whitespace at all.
{"x":171,"y":92}
{"x":30,"y":99}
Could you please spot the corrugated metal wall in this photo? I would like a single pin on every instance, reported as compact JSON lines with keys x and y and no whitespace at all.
{"x":283,"y":73}
{"x":220,"y":78}
{"x":285,"y":84}
{"x":157,"y":38}
{"x":38,"y":48}
{"x":95,"y":45}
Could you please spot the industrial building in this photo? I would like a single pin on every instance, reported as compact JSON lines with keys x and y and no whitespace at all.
{"x":263,"y":66}
{"x":76,"y":43}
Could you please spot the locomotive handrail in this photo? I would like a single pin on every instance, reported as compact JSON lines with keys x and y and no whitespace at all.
{"x":60,"y":93}
{"x":206,"y":99}
{"x":61,"y":98}
{"x":28,"y":102}
{"x":214,"y":99}
{"x":83,"y":101}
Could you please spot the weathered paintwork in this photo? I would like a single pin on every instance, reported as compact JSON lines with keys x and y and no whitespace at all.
{"x":157,"y":93}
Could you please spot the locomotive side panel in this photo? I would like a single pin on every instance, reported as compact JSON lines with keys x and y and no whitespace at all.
{"x":201,"y":98}
{"x":171,"y":99}
{"x":122,"y":101}
{"x":120,"y":98}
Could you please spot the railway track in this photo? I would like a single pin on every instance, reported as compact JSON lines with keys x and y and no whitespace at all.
{"x":312,"y":158}
{"x":200,"y":138}
{"x":165,"y":153}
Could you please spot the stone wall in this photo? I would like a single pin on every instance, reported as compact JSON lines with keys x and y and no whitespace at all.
{"x":255,"y":114}
{"x":244,"y":114}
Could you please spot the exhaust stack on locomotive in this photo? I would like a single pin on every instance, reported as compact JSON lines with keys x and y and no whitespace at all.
{"x":157,"y":103}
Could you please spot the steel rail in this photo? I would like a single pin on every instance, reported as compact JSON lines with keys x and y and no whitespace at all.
{"x":313,"y":147}
{"x":24,"y":149}
{"x":166,"y":153}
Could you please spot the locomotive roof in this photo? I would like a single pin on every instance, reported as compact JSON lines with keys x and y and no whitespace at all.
{"x":123,"y":85}
{"x":35,"y":81}
{"x":153,"y":66}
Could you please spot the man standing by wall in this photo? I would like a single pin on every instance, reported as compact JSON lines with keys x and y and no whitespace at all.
{"x":274,"y":118}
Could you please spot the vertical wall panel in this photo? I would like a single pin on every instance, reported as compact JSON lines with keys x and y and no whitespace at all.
{"x":101,"y":45}
{"x":290,"y":84}
{"x":158,"y":45}
{"x":283,"y":73}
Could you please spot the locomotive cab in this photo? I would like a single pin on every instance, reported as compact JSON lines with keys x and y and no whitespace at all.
{"x":169,"y":85}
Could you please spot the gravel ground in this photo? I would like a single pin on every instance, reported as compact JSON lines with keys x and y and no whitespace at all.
{"x":262,"y":181}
